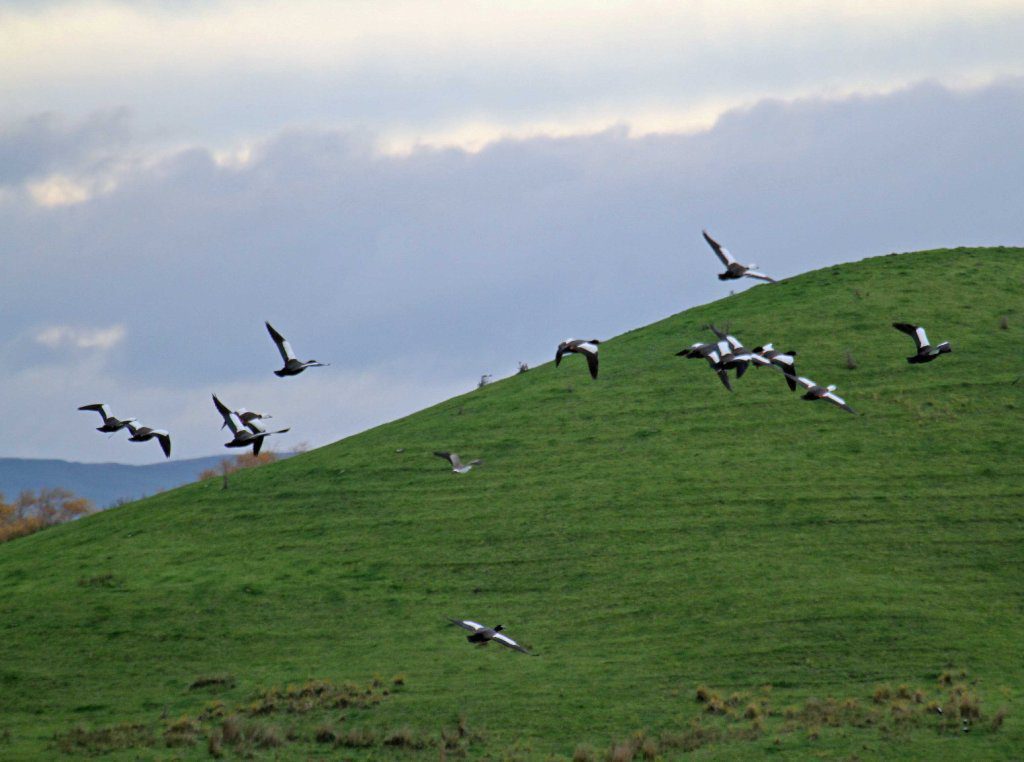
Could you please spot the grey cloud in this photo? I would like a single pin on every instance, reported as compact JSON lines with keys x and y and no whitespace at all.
{"x":46,"y":142}
{"x":443,"y":265}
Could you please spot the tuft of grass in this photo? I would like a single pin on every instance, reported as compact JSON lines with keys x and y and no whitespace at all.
{"x":584,"y":753}
{"x":267,"y":736}
{"x":358,"y":738}
{"x":326,"y":734}
{"x":183,"y":732}
{"x":105,"y":740}
{"x":998,"y":718}
{"x":225,"y":682}
{"x":107,"y":580}
{"x":215,"y":744}
{"x":231,"y":730}
{"x":848,"y":361}
{"x":403,"y":737}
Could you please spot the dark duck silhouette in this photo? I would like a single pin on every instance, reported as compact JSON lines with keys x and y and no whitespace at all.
{"x":580,"y":347}
{"x":292,"y":366}
{"x":110,"y":423}
{"x":925,"y":351}
{"x":483,"y":635}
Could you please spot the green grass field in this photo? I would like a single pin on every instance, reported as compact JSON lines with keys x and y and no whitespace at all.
{"x":827,"y":580}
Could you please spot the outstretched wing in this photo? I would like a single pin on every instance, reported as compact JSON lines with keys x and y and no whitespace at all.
{"x":723,"y":376}
{"x":916,"y":332}
{"x":559,"y":352}
{"x":100,"y":408}
{"x":509,"y":643}
{"x":591,"y":359}
{"x":837,"y":401}
{"x":282,"y":344}
{"x":165,"y":442}
{"x":467,"y":624}
{"x":721,"y":251}
{"x":759,"y":276}
{"x":446,"y":455}
{"x":226,"y":415}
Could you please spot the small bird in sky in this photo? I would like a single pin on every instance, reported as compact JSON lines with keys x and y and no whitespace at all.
{"x":292,"y":367}
{"x":145,"y":433}
{"x":244,"y":433}
{"x":733,"y":269}
{"x":581,"y":347}
{"x":110,"y":423}
{"x":483,"y":635}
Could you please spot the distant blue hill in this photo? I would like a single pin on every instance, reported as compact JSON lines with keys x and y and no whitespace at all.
{"x":102,"y":483}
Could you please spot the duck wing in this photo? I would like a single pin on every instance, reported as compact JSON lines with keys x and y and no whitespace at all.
{"x":720,"y":251}
{"x":226,"y":415}
{"x":100,"y":408}
{"x":467,"y":624}
{"x":509,"y":643}
{"x":282,"y":344}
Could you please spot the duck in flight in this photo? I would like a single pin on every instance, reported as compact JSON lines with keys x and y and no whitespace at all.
{"x":245,"y":433}
{"x":145,"y":433}
{"x":712,"y":352}
{"x":110,"y":423}
{"x":581,"y":347}
{"x":827,"y":393}
{"x":925,"y":351}
{"x":483,"y":635}
{"x":458,"y":467}
{"x":247,"y":416}
{"x":733,"y":269}
{"x":292,"y":367}
{"x":735,"y":355}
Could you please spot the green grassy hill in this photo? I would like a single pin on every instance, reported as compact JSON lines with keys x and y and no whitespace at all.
{"x":732,"y":575}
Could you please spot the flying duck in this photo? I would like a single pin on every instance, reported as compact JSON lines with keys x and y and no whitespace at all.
{"x":144,"y":434}
{"x":582,"y":347}
{"x":712,"y":352}
{"x":827,"y":393}
{"x":247,"y":416}
{"x":925,"y":351}
{"x":458,"y":467}
{"x":292,"y":367}
{"x":249,"y":433}
{"x":483,"y":635}
{"x":110,"y":423}
{"x":784,"y":361}
{"x":735,"y":355}
{"x":733,"y":269}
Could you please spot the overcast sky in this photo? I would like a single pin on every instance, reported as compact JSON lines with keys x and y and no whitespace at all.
{"x":422,"y":192}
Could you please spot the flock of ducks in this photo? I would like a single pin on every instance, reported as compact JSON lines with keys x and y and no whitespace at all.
{"x":245,"y":426}
{"x":726,"y":353}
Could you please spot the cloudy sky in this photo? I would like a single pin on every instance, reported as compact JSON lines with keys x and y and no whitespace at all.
{"x":422,"y":192}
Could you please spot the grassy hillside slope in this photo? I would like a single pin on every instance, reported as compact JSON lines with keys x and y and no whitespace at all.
{"x":647,"y":534}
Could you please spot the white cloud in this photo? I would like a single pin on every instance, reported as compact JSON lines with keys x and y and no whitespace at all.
{"x":57,"y":336}
{"x":58,"y":190}
{"x":462,"y":71}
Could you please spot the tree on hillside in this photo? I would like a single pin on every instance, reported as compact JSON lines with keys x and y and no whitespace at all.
{"x":32,"y":512}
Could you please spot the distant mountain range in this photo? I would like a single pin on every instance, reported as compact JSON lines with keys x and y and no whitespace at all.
{"x":102,"y":483}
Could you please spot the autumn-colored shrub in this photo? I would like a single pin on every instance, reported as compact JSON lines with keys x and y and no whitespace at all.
{"x":32,"y":512}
